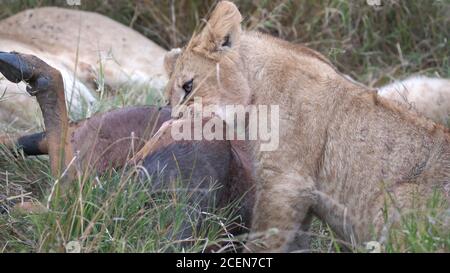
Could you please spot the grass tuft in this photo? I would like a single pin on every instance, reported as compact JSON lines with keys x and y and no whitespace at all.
{"x":116,"y":212}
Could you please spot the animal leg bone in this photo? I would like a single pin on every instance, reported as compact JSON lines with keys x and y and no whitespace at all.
{"x":47,"y":85}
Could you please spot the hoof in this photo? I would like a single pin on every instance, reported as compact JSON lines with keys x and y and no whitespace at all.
{"x":17,"y":67}
{"x":14,"y":67}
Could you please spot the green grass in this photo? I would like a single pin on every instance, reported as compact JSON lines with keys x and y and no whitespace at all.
{"x":112,"y":213}
{"x":422,"y":230}
{"x":373,"y":45}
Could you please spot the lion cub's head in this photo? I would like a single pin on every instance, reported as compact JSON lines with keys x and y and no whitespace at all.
{"x":210,"y":66}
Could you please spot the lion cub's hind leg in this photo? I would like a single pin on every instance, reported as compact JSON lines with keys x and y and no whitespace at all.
{"x":282,"y":206}
{"x":338,"y":218}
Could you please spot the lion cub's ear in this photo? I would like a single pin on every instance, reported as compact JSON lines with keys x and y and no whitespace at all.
{"x":170,"y":59}
{"x":223,"y":29}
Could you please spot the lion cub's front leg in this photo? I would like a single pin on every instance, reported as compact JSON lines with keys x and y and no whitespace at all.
{"x":282,"y":206}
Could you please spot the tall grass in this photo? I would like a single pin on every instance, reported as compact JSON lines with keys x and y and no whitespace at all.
{"x":116,"y":213}
{"x":422,"y":230}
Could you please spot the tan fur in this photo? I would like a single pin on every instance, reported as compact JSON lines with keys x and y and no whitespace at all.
{"x":342,"y":148}
{"x":429,"y":96}
{"x":81,"y":45}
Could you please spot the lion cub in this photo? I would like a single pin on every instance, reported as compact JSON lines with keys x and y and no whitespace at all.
{"x":341,"y":147}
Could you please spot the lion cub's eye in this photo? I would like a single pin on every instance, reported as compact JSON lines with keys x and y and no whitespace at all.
{"x":187,"y":86}
{"x":226,"y":42}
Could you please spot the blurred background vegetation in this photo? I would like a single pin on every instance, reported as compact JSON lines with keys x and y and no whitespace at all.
{"x":373,"y":44}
